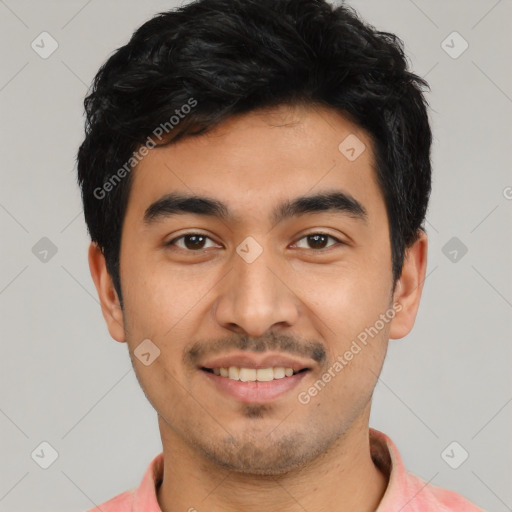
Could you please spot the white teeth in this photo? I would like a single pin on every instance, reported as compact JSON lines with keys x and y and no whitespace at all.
{"x":247,"y":374}
{"x":264,"y":374}
{"x":253,"y":374}
{"x":279,"y":373}
{"x":233,"y":373}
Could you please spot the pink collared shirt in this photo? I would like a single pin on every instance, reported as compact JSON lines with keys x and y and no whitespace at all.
{"x":405,"y":492}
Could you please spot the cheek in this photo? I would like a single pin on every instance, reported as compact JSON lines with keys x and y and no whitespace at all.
{"x":346,"y":297}
{"x":153,"y":292}
{"x":346,"y":306}
{"x":165,"y":389}
{"x":165,"y":305}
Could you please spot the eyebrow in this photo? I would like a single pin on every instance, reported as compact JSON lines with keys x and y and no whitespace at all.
{"x":328,"y":201}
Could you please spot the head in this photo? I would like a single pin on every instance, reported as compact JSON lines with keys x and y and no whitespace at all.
{"x":288,"y":122}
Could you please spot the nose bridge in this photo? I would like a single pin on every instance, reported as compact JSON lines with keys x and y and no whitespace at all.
{"x":255,"y":298}
{"x":255,"y":279}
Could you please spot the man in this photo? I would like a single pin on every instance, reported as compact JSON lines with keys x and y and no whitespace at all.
{"x":255,"y":177}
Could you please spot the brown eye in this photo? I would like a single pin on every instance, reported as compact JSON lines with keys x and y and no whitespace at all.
{"x":191,"y":242}
{"x":318,"y":241}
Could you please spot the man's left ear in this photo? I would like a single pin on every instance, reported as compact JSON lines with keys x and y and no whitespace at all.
{"x":408,"y":288}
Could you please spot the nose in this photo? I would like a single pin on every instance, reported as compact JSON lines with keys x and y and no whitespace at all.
{"x":256,"y":297}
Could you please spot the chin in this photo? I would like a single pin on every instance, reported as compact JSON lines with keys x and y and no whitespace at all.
{"x":268,"y":458}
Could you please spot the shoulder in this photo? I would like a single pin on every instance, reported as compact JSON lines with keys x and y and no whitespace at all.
{"x":408,"y":491}
{"x":432,"y":497}
{"x":120,"y":503}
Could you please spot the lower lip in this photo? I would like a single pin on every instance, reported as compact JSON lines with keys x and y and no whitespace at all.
{"x":255,"y":392}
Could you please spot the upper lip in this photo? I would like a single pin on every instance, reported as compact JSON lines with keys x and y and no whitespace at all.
{"x":244,"y":360}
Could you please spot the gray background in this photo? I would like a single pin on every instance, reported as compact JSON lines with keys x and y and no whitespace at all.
{"x":66,"y":382}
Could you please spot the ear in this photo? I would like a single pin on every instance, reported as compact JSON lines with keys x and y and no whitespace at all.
{"x":110,"y":305}
{"x":409,"y":287}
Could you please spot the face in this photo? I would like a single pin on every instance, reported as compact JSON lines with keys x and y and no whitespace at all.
{"x":263,"y":277}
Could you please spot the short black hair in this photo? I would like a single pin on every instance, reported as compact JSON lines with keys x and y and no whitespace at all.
{"x":186,"y":70}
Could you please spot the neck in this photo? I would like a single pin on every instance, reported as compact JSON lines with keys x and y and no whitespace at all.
{"x":344,"y":478}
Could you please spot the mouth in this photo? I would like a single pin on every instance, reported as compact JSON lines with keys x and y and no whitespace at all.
{"x":254,"y":380}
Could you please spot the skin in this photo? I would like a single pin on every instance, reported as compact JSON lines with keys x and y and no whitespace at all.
{"x":221,"y":454}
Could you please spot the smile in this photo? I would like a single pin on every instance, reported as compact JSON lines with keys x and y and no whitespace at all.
{"x":254,"y":374}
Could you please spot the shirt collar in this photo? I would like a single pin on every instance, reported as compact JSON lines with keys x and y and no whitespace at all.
{"x":144,"y":499}
{"x":401,"y":491}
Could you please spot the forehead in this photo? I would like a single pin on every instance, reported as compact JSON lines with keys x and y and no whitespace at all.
{"x":253,"y":161}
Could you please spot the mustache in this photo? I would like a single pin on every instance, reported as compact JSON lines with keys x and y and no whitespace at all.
{"x":285,"y":344}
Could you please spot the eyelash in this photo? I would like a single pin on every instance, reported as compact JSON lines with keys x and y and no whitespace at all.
{"x":172,"y":242}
